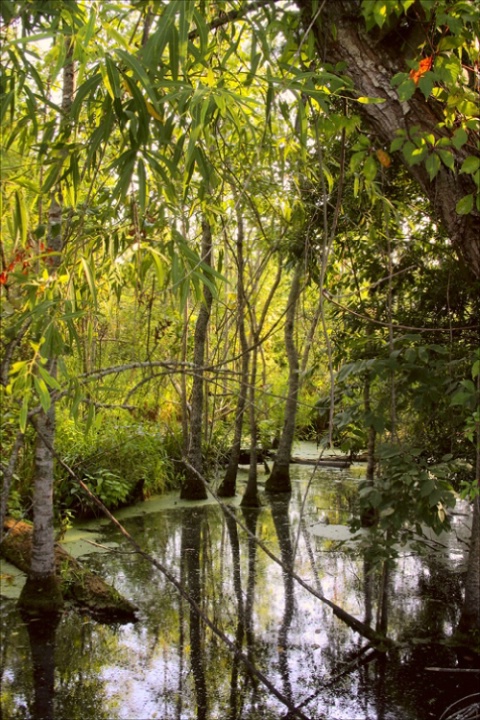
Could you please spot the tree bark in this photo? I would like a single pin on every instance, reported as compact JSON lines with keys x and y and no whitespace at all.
{"x":470,"y":615}
{"x":228,"y":486}
{"x":41,"y":592}
{"x":192,"y":486}
{"x":279,"y":479}
{"x":372,"y":59}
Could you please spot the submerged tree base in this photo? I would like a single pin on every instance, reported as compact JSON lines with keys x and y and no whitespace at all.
{"x":41,"y":595}
{"x":279,"y":480}
{"x":72,"y":581}
{"x":192,"y":487}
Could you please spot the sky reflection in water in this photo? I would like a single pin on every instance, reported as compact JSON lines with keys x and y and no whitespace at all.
{"x":170,"y":667}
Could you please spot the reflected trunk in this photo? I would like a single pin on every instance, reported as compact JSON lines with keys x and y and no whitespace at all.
{"x":41,"y":634}
{"x":251,"y":516}
{"x":281,"y":520}
{"x":240,"y":631}
{"x":191,"y":537}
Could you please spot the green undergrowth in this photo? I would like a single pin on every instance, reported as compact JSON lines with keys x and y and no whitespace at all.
{"x":120,"y":463}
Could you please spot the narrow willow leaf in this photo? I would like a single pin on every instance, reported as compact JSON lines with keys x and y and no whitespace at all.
{"x":43,"y":393}
{"x":370,"y":100}
{"x":142,"y":185}
{"x":49,"y":379}
{"x":90,"y":279}
{"x":23,"y":416}
{"x":86,"y":89}
{"x":21,"y":217}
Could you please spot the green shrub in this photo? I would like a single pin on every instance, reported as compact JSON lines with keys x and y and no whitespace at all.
{"x":119,"y":462}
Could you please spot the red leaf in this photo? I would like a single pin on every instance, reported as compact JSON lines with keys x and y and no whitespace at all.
{"x":3,"y":278}
{"x":423,"y":67}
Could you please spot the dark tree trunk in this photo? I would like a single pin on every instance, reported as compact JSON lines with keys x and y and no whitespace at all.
{"x":470,"y":615}
{"x":250,"y":497}
{"x":228,"y":486}
{"x":279,"y":479}
{"x":192,"y":487}
{"x":191,"y":536}
{"x":372,"y":59}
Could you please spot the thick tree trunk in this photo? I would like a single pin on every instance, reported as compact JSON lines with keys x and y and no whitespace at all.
{"x":279,"y":479}
{"x":470,"y":616}
{"x":192,"y":487}
{"x":372,"y":59}
{"x":228,"y":486}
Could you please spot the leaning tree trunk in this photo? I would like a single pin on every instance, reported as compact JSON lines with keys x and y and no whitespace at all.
{"x":371,"y":60}
{"x":41,"y":592}
{"x":228,"y":486}
{"x":279,"y":479}
{"x":192,"y":486}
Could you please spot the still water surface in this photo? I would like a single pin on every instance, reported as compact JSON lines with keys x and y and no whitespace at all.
{"x":169,"y":666}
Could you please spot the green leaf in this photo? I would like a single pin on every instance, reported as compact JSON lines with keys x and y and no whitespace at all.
{"x":459,"y":139}
{"x":465,"y":205}
{"x":43,"y":393}
{"x":370,"y":168}
{"x":426,"y":83}
{"x":142,"y":185}
{"x":447,"y":158}
{"x":89,"y":274}
{"x":23,"y":416}
{"x":49,"y":379}
{"x":470,"y":165}
{"x":397,"y":144}
{"x":432,"y":164}
{"x":406,"y":90}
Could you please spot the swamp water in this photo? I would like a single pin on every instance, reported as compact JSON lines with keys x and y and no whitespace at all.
{"x":170,"y":666}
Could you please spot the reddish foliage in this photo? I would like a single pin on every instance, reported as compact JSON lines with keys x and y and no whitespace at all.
{"x":423,"y":67}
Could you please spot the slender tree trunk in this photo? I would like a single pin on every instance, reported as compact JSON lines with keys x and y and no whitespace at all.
{"x":279,"y":479}
{"x":228,"y":486}
{"x":192,"y":486}
{"x":250,"y":497}
{"x":41,"y":592}
{"x":369,"y":515}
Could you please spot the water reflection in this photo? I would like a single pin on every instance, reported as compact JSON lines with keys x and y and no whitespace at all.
{"x":171,"y":666}
{"x":41,"y":634}
{"x":192,"y":524}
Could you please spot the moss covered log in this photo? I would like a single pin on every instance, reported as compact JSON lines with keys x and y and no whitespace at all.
{"x":80,"y":586}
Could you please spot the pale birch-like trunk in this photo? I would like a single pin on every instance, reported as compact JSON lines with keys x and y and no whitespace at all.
{"x":41,"y":592}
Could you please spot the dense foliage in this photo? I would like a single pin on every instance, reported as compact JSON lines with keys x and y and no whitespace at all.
{"x":224,"y":114}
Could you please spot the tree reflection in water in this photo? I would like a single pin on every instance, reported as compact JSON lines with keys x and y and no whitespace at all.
{"x":173,"y":666}
{"x":41,"y":634}
{"x":192,"y":523}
